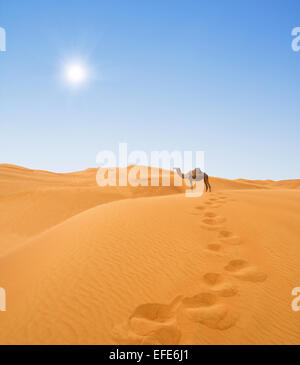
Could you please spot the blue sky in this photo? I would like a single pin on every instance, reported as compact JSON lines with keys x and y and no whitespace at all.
{"x":216,"y":76}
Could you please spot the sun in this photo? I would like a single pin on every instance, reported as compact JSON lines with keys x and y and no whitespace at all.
{"x":76,"y":74}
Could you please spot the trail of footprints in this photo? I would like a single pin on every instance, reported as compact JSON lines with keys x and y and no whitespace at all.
{"x":160,"y":324}
{"x":214,"y":222}
{"x":237,"y":268}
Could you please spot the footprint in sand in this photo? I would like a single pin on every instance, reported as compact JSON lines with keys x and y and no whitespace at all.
{"x":201,"y":207}
{"x":218,"y":285}
{"x":210,"y":215}
{"x":214,"y":247}
{"x":229,"y":237}
{"x":205,"y":309}
{"x":243,"y":271}
{"x":221,"y":200}
{"x":215,"y":206}
{"x":212,"y":203}
{"x":158,"y":324}
{"x":225,"y":199}
{"x":212,"y":221}
{"x":222,"y":197}
{"x":150,"y":324}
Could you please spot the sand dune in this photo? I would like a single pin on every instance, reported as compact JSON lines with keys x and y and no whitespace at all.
{"x":142,"y":265}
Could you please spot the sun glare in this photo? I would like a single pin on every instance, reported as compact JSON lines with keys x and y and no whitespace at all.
{"x":76,"y":74}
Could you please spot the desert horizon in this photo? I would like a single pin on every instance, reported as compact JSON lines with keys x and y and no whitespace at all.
{"x":83,"y":264}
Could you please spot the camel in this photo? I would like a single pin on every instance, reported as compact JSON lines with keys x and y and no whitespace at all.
{"x":195,"y":175}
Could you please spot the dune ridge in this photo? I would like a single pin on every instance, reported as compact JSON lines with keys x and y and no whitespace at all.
{"x":146,"y":265}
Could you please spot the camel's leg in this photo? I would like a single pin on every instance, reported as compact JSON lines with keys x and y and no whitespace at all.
{"x":191,"y":182}
{"x":207,"y":184}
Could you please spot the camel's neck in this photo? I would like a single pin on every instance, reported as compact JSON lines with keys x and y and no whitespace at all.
{"x":180,"y":173}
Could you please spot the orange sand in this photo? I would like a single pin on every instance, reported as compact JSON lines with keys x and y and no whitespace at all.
{"x":140,"y":265}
